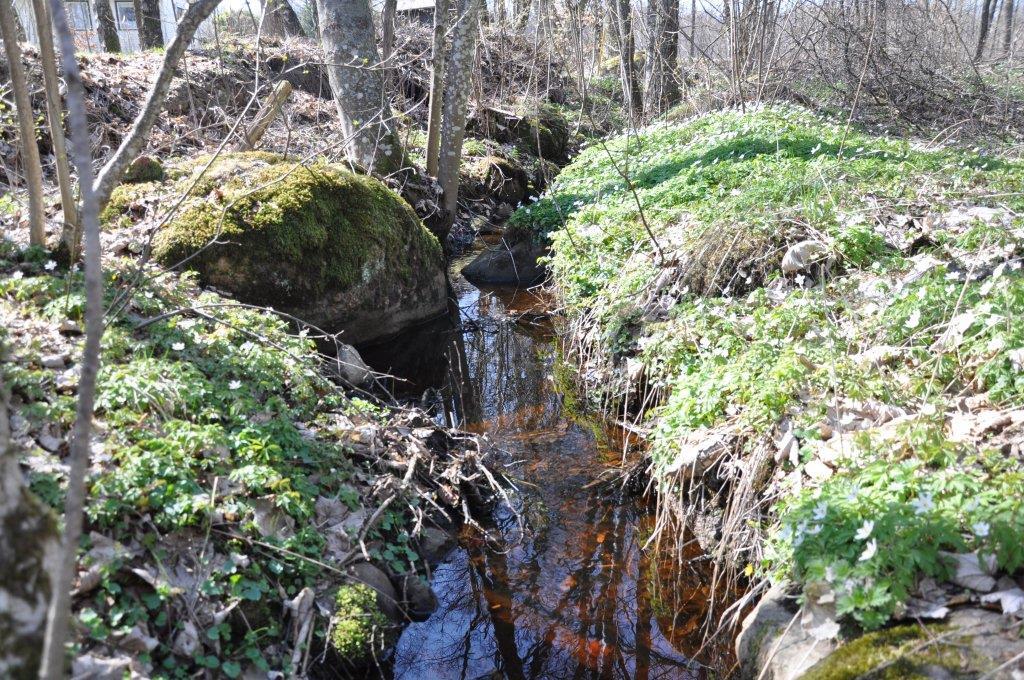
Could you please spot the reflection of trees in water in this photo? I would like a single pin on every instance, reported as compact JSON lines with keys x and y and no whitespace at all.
{"x":505,"y":376}
{"x":572,"y":600}
{"x":570,"y":606}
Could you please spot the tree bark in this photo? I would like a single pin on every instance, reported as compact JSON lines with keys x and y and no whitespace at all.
{"x":106,"y":28}
{"x":27,"y":557}
{"x":662,"y":63}
{"x":387,"y":28}
{"x":1007,"y":25}
{"x":54,"y":651}
{"x":26,"y":125}
{"x":693,"y":30}
{"x":987,"y":10}
{"x":147,"y":16}
{"x":280,"y":19}
{"x":627,"y":58}
{"x":350,"y":45}
{"x":456,"y":95}
{"x":54,"y":114}
{"x":437,"y":58}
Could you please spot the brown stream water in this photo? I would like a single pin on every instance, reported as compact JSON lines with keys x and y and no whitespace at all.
{"x":572,"y":596}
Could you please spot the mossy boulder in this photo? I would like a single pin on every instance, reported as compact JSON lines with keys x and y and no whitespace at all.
{"x":337,"y":249}
{"x":500,"y":178}
{"x":144,"y":169}
{"x":541,"y":130}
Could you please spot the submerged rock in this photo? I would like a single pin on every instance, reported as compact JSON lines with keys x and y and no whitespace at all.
{"x":334,"y":248}
{"x":508,"y":265}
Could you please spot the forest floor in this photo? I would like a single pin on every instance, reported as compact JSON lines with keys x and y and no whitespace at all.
{"x":245,"y":499}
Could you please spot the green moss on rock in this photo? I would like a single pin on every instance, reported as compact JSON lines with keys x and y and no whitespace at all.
{"x":334,"y":247}
{"x":125,"y":206}
{"x":900,"y":653}
{"x":358,"y":623}
{"x":544,"y":132}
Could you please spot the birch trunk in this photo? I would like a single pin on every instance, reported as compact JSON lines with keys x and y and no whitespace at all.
{"x":54,"y":650}
{"x":436,"y":86}
{"x":456,"y":95}
{"x":26,"y":125}
{"x":353,"y":68}
{"x":54,"y":115}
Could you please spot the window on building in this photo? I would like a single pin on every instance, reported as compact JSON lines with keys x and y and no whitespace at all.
{"x":126,"y":16}
{"x":79,"y":16}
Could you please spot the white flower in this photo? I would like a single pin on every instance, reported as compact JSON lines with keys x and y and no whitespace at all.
{"x":869,"y":551}
{"x":814,"y":530}
{"x":865,"y":530}
{"x":234,"y":384}
{"x":50,"y":265}
{"x":914,"y":319}
{"x":178,"y":346}
{"x":18,"y":275}
{"x":820,"y":510}
{"x":923,"y":503}
{"x":981,"y":529}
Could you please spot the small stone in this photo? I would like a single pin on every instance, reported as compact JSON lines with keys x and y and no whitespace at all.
{"x":53,"y":360}
{"x":69,"y":327}
{"x":817,"y":470}
{"x":435,"y":544}
{"x":378,"y":581}
{"x":49,"y":442}
{"x":418,"y":599}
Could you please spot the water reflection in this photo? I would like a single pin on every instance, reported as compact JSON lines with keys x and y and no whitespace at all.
{"x":573,"y":596}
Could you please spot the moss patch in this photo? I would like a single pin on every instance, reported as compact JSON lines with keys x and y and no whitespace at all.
{"x":901,"y":653}
{"x":358,"y":624}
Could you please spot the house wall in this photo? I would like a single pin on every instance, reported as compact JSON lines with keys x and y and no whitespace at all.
{"x":81,"y":17}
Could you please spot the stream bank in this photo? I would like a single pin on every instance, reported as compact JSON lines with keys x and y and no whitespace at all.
{"x":571,"y":593}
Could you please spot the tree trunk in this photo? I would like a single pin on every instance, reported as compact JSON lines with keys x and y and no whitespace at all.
{"x":436,"y":86}
{"x":54,"y":650}
{"x":54,"y":115}
{"x":347,"y":33}
{"x":662,"y":63}
{"x":521,"y":12}
{"x":387,"y":28}
{"x":147,"y":17}
{"x":27,"y":129}
{"x":693,"y":29}
{"x":1007,"y":25}
{"x":105,"y":26}
{"x":627,"y":58}
{"x":986,"y":20}
{"x":281,"y":20}
{"x":27,"y":557}
{"x":459,"y":82}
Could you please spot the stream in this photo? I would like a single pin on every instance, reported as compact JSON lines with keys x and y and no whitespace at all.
{"x":572,"y":595}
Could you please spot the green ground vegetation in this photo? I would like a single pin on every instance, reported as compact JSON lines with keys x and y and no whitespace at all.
{"x":206,"y":420}
{"x":666,"y":247}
